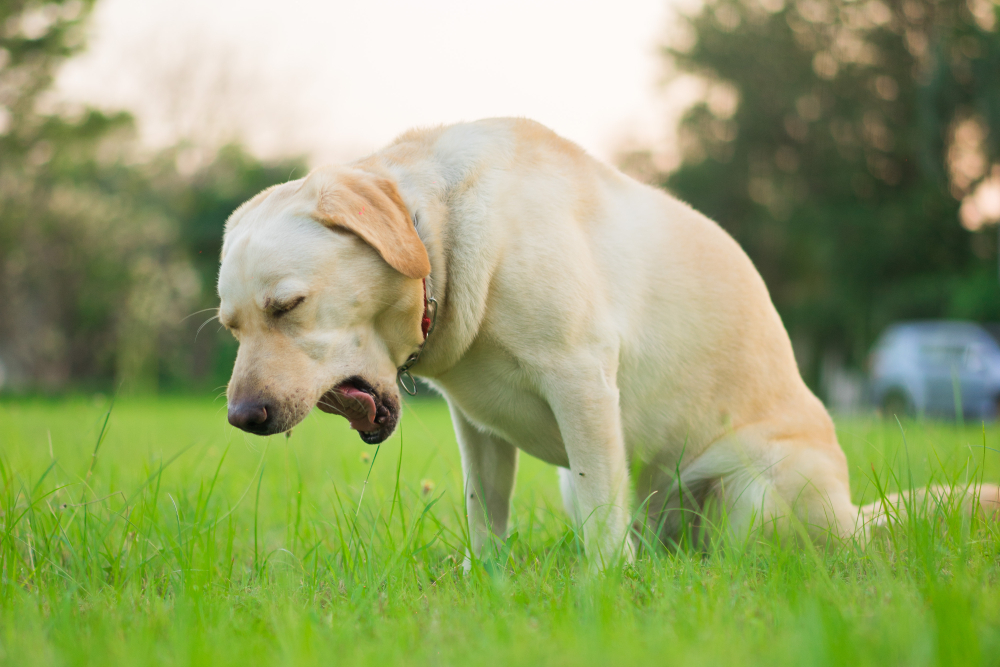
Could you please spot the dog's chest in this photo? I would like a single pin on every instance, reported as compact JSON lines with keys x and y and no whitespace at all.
{"x":497,"y":394}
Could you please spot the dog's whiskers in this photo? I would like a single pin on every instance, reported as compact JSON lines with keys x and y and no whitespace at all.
{"x":203,"y":310}
{"x":204,"y":323}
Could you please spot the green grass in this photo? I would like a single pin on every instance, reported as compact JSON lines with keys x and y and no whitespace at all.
{"x":185,"y":542}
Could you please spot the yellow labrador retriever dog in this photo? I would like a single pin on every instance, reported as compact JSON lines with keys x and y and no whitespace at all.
{"x":561,"y":308}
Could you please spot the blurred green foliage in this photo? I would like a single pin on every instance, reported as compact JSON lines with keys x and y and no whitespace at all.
{"x":105,"y":249}
{"x":837,"y":142}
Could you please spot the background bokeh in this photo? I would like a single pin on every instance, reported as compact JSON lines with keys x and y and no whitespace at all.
{"x":851,"y":147}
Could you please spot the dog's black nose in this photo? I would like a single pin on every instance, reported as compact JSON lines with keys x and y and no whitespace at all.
{"x":252,"y":416}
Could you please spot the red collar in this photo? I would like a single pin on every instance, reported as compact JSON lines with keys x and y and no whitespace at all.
{"x":427,"y":322}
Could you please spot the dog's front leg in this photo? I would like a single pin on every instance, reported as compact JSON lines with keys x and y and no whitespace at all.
{"x":489,"y":467}
{"x":587,"y":410}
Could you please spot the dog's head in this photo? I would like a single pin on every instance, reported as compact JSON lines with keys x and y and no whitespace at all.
{"x":321,"y":284}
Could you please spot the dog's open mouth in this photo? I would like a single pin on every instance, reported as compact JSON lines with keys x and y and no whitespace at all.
{"x":370,"y":413}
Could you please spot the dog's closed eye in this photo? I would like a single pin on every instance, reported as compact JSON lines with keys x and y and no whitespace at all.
{"x":281,"y":308}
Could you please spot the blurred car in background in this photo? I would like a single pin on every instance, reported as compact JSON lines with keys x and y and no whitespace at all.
{"x":940,"y":369}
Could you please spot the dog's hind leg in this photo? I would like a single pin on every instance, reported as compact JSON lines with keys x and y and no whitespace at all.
{"x":799,"y":489}
{"x":756,"y":488}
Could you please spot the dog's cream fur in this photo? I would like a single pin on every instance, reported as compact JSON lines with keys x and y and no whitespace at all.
{"x":589,"y":320}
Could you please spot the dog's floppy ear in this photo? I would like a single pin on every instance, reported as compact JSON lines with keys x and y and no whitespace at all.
{"x":369,"y":206}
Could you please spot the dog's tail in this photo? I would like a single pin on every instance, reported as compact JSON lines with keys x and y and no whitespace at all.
{"x":979,"y":500}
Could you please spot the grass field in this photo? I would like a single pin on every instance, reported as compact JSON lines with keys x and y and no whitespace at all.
{"x":180,"y":541}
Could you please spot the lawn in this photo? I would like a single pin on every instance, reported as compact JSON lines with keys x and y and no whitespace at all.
{"x":181,"y":541}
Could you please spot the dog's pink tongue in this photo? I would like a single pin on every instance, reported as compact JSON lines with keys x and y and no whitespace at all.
{"x":359,"y":408}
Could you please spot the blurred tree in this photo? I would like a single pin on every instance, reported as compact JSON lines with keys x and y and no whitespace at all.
{"x":63,"y":271}
{"x":838,"y":142}
{"x":103,"y":250}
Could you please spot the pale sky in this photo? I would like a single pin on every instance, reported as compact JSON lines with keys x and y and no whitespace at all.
{"x":336,"y":80}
